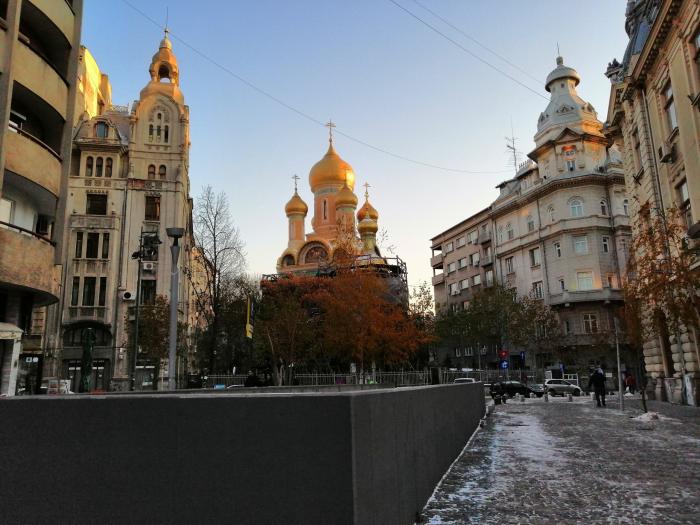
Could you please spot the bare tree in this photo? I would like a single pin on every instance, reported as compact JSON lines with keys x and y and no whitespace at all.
{"x":222,"y":257}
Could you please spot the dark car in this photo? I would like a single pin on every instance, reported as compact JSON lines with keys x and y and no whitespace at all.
{"x":509,"y":389}
{"x":537,"y":389}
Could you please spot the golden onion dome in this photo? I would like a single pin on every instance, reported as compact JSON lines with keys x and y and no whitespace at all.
{"x":367,"y":210}
{"x":367,"y":225}
{"x":296,"y":205}
{"x":331,"y":169}
{"x":345,"y":197}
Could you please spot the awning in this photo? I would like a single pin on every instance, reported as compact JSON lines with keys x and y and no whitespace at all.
{"x":10,"y":331}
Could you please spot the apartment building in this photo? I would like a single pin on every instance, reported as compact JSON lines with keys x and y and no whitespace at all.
{"x":654,"y":118}
{"x":39,"y":48}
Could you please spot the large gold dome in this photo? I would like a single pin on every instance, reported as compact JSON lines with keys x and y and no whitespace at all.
{"x":331,"y":169}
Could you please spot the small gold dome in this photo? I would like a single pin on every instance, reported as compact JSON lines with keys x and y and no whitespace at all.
{"x":331,"y":169}
{"x":367,"y":225}
{"x":296,"y":205}
{"x":345,"y":197}
{"x":367,"y":210}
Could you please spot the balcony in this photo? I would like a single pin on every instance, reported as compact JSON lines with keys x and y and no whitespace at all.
{"x":27,"y":263}
{"x":34,"y":73}
{"x":438,"y":279}
{"x":33,"y":160}
{"x":436,"y":261}
{"x":87,"y":313}
{"x":60,"y":14}
{"x":484,"y":237}
{"x":486,"y":260}
{"x":586,"y":296}
{"x":102,"y":222}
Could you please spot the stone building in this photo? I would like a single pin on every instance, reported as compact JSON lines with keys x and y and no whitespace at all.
{"x":654,"y":117}
{"x":558,"y":231}
{"x":39,"y":48}
{"x":128,"y":182}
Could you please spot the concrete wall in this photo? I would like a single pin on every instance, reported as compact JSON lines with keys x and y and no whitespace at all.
{"x":355,"y":458}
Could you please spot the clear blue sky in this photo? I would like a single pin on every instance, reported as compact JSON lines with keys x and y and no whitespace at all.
{"x":380,"y":75}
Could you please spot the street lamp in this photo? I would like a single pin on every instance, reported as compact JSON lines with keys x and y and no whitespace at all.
{"x":175,"y":234}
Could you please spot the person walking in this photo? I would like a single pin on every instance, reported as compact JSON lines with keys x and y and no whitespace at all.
{"x":597,"y":381}
{"x":630,"y":383}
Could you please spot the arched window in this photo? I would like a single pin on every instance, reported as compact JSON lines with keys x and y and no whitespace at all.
{"x":288,"y":260}
{"x":108,"y":167}
{"x":500,"y":234}
{"x":165,"y":134}
{"x":98,"y":167}
{"x":509,"y":231}
{"x":325,"y":210}
{"x":101,"y":130}
{"x":158,"y":133}
{"x":530,"y":223}
{"x":88,"y":167}
{"x":159,"y":117}
{"x":315,"y":254}
{"x":150,"y":133}
{"x":576,"y":207}
{"x":625,"y":207}
{"x":151,"y":172}
{"x":161,"y":172}
{"x":552,"y":215}
{"x":603,"y":207}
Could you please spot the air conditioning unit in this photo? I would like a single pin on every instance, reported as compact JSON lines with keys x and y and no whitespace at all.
{"x":127,"y":296}
{"x":149,"y":267}
{"x":666,"y":153}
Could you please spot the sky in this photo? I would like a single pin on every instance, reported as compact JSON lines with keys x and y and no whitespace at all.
{"x":382,"y":76}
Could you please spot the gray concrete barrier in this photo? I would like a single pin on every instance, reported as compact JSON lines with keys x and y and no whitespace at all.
{"x":363,"y":457}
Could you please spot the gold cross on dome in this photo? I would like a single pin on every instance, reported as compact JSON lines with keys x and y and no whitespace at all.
{"x":367,"y":187}
{"x":330,"y":127}
{"x":296,"y":178}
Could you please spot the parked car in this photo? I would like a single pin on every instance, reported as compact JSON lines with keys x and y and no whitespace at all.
{"x":537,"y":389}
{"x":509,"y":389}
{"x":561,"y":387}
{"x":465,"y":380}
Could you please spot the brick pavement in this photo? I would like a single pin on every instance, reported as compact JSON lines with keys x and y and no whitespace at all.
{"x":562,"y":463}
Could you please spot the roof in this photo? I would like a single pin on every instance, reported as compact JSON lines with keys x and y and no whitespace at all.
{"x":462,"y":223}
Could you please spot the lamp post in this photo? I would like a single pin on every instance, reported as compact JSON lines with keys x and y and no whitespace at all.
{"x":175,"y":234}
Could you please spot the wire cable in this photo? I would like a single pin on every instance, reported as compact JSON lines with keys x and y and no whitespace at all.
{"x":469,"y":52}
{"x":301,"y":113}
{"x":483,"y":46}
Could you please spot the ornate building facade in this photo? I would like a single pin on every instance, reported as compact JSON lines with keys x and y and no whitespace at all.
{"x":558,"y":231}
{"x":654,"y":118}
{"x":129,"y":181}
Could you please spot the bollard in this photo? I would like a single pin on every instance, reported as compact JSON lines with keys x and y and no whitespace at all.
{"x":570,"y":398}
{"x":522,"y":398}
{"x":546,"y":397}
{"x":532,"y":395}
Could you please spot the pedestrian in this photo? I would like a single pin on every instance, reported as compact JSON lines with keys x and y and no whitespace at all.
{"x":597,"y":380}
{"x":630,"y":383}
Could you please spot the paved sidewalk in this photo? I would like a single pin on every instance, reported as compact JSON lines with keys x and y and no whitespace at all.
{"x":570,"y":462}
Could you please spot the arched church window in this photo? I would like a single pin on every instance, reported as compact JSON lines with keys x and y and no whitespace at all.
{"x":88,"y":167}
{"x":159,"y":117}
{"x":165,"y":134}
{"x":98,"y":167}
{"x":101,"y":130}
{"x":108,"y":167}
{"x":151,"y":172}
{"x":158,"y":133}
{"x":163,"y":73}
{"x":316,"y":254}
{"x":161,"y":172}
{"x":288,"y":260}
{"x":150,"y":133}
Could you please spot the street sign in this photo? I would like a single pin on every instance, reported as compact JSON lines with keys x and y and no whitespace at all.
{"x":522,"y":356}
{"x":561,"y":367}
{"x":503,"y":364}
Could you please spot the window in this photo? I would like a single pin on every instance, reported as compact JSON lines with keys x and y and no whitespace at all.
{"x":550,"y":212}
{"x":476,"y":280}
{"x":489,"y":277}
{"x":473,"y":236}
{"x":468,"y":352}
{"x":158,"y":133}
{"x":89,"y":284}
{"x":584,"y":280}
{"x":165,"y":134}
{"x":509,"y":231}
{"x":454,"y":288}
{"x":562,"y":284}
{"x":464,"y":284}
{"x":625,"y":207}
{"x":105,"y":245}
{"x":637,"y":148}
{"x":590,"y":323}
{"x":509,"y":265}
{"x":670,"y":108}
{"x":150,"y":133}
{"x":451,"y":267}
{"x":161,"y":172}
{"x":151,"y":172}
{"x":530,"y":223}
{"x":88,"y":167}
{"x":684,"y":198}
{"x":576,"y":207}
{"x":148,"y":292}
{"x":78,"y":245}
{"x":458,"y":352}
{"x":325,"y":210}
{"x":463,"y":262}
{"x":537,"y":290}
{"x":103,"y":291}
{"x":108,"y":167}
{"x":17,"y":121}
{"x":98,"y":167}
{"x":581,"y":244}
{"x":570,"y":165}
{"x":101,"y":130}
{"x":152,"y":208}
{"x":603,"y":207}
{"x":96,"y":204}
{"x":610,"y":278}
{"x":461,"y":241}
{"x":606,"y":244}
{"x":567,"y":326}
{"x":500,"y":234}
{"x":450,"y":247}
{"x":535,"y":258}
{"x":475,"y":258}
{"x":75,"y":292}
{"x":557,"y":249}
{"x":93,"y":240}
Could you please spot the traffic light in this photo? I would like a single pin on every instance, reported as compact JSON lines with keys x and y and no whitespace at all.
{"x":502,"y":354}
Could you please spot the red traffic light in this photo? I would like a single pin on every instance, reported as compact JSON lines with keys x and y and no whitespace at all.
{"x":503,"y":354}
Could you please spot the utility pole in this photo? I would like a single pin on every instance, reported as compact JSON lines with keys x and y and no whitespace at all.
{"x":621,"y":393}
{"x":175,"y":234}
